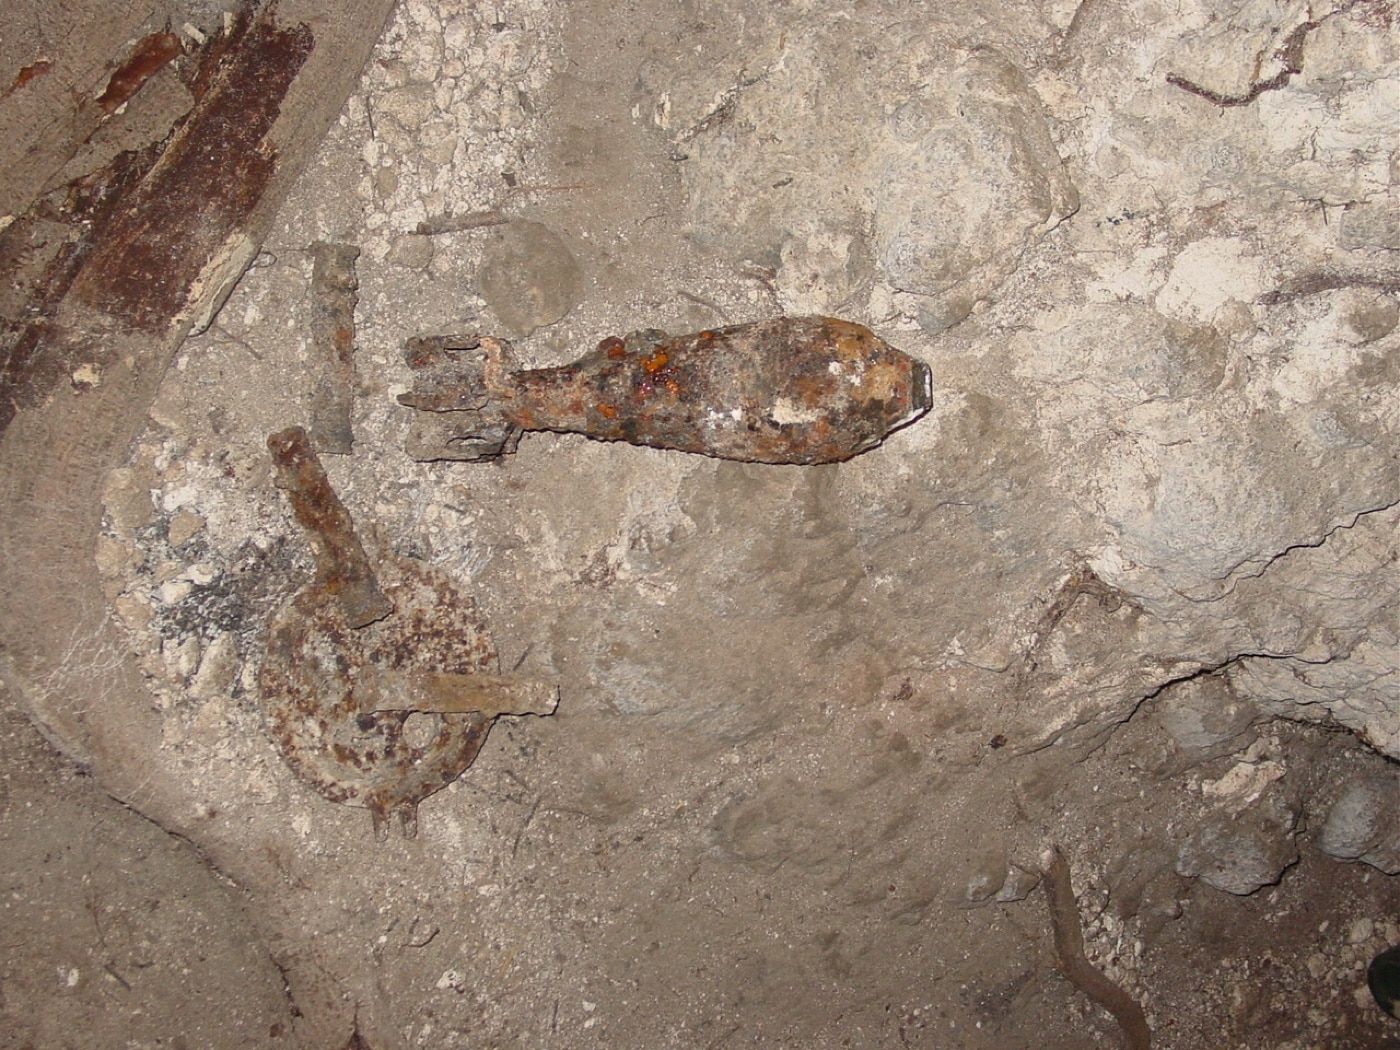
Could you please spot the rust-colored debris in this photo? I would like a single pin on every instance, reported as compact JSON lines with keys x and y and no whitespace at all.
{"x":333,"y":299}
{"x":798,"y":390}
{"x":360,"y":651}
{"x":151,"y":54}
{"x":38,"y":68}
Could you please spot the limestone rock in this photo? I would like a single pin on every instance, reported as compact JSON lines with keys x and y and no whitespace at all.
{"x":1204,"y":719}
{"x":1364,"y":823}
{"x":935,"y":163}
{"x":1241,"y":852}
{"x":1372,"y":224}
{"x":529,"y":277}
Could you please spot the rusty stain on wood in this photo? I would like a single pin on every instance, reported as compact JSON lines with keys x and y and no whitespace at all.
{"x":204,"y":185}
{"x":147,"y":229}
{"x":30,"y":365}
{"x":152,"y":53}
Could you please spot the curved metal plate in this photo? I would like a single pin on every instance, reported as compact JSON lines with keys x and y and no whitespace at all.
{"x":384,"y":761}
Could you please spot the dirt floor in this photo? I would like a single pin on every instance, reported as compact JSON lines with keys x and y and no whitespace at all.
{"x":820,"y":729}
{"x":690,"y":921}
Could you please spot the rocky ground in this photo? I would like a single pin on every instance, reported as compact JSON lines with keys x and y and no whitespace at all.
{"x":1128,"y":589}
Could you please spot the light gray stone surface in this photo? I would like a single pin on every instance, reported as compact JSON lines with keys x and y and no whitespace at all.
{"x":1364,"y":823}
{"x":817,"y":725}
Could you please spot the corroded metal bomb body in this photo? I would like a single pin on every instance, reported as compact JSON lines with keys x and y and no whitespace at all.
{"x":800,"y":390}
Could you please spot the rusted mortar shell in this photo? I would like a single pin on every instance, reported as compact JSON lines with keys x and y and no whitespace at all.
{"x":801,"y":390}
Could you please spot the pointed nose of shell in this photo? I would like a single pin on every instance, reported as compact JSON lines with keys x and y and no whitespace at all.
{"x":921,"y":392}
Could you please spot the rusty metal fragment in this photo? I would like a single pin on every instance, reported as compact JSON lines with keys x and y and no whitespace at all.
{"x":40,"y":68}
{"x":333,"y":300}
{"x":342,"y":568}
{"x":1068,"y":934}
{"x":800,"y":390}
{"x":378,"y":683}
{"x":148,"y":236}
